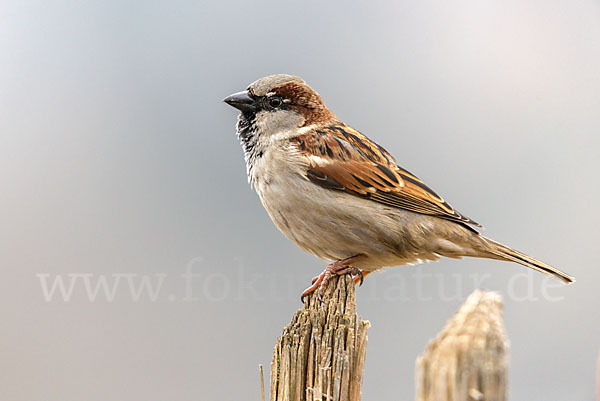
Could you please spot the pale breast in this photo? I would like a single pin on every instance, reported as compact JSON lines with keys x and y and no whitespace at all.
{"x":334,"y":225}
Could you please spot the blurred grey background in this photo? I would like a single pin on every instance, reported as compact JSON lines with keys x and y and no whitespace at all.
{"x":118,"y":159}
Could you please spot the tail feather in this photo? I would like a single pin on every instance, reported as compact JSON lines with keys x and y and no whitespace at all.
{"x":505,"y":253}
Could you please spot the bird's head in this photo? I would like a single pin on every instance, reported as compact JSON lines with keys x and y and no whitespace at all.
{"x":280,"y":104}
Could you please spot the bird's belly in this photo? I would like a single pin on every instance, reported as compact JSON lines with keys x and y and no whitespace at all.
{"x":333,"y":225}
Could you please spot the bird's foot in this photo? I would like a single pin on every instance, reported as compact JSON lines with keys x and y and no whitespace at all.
{"x":358,"y":278}
{"x":338,"y":268}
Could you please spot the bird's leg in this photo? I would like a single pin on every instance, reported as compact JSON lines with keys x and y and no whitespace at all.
{"x":337,"y":268}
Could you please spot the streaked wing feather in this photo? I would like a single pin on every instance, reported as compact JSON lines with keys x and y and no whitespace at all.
{"x":343,"y":159}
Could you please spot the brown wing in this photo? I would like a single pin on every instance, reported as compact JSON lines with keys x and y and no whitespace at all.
{"x":343,"y":159}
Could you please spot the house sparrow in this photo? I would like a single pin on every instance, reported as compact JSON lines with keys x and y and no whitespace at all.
{"x":342,"y":197}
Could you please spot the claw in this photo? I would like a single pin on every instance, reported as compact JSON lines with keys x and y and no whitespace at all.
{"x":314,"y":285}
{"x":362,"y":278}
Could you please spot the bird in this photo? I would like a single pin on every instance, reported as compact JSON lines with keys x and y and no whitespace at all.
{"x":342,"y":197}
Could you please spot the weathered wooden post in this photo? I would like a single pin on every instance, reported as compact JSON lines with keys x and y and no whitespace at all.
{"x":468,"y":360}
{"x":321,"y":353}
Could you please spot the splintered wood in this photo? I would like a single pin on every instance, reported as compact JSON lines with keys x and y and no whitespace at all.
{"x":321,"y":353}
{"x":468,"y":360}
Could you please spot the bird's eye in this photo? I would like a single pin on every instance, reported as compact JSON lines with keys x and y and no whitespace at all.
{"x":275,"y":102}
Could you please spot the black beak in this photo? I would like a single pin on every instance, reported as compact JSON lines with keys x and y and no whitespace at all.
{"x":242,"y":101}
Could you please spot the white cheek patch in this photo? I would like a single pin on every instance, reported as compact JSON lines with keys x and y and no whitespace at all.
{"x":278,"y":124}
